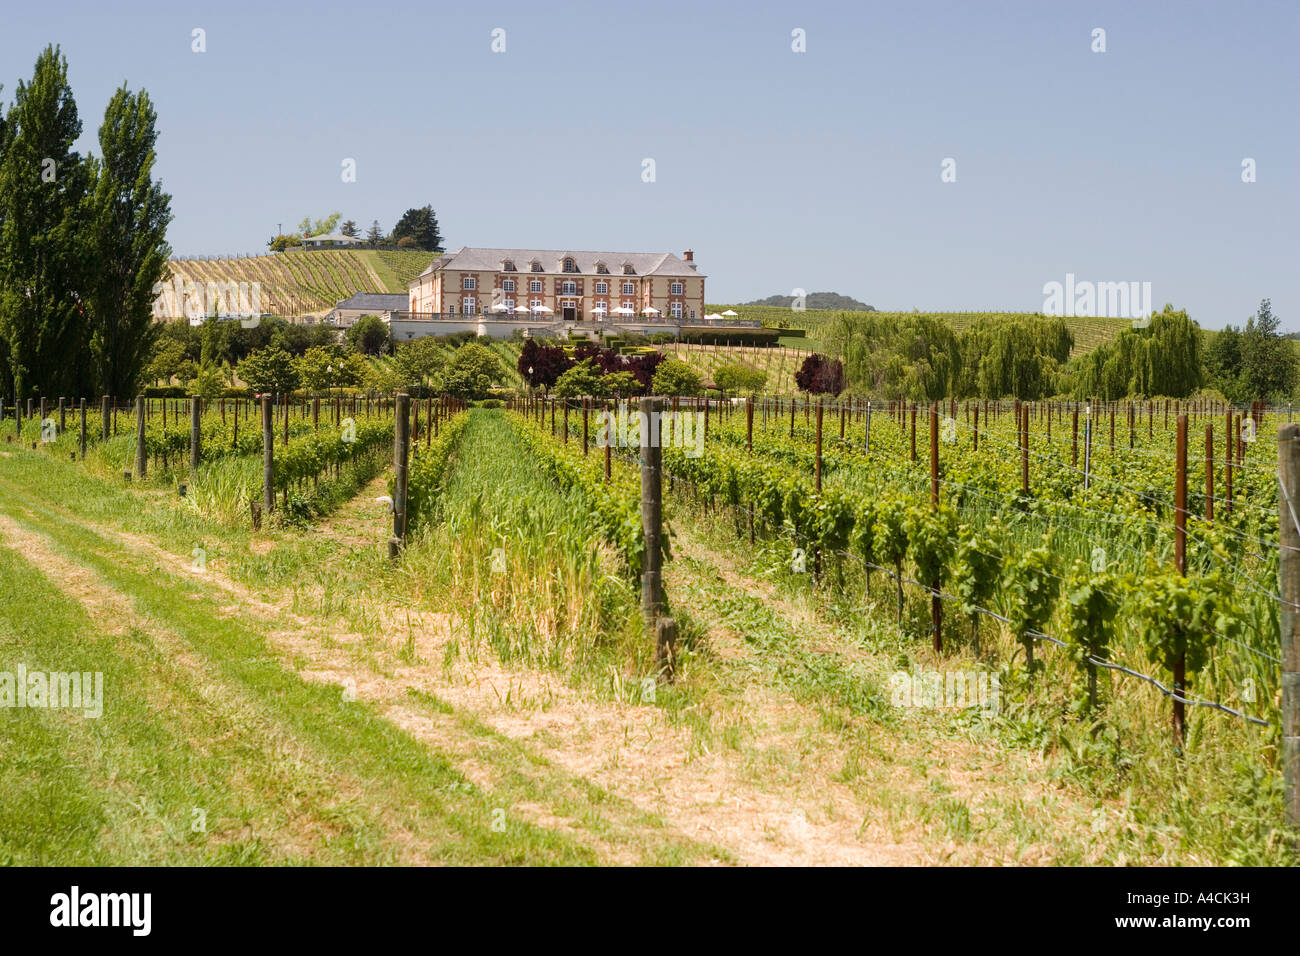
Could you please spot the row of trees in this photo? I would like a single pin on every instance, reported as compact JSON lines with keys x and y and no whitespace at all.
{"x":82,"y":240}
{"x":920,"y":357}
{"x":423,"y":367}
{"x":416,"y":229}
{"x":589,"y":370}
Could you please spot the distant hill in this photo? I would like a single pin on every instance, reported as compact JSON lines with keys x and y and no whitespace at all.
{"x":818,"y":300}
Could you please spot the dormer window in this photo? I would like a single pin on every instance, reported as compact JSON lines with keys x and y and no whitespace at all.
{"x":628,"y":270}
{"x":536,"y":266}
{"x":602,"y":269}
{"x":570,"y":265}
{"x":508,"y":266}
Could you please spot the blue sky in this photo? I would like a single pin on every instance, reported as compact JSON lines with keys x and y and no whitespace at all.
{"x":818,"y":170}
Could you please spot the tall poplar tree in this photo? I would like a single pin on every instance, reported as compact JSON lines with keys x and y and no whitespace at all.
{"x":127,"y":217}
{"x":43,"y":254}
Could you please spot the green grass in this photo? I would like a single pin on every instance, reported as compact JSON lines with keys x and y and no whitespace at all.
{"x":202,"y":712}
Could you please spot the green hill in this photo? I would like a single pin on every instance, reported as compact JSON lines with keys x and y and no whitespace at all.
{"x":831,"y":301}
{"x":301,"y":282}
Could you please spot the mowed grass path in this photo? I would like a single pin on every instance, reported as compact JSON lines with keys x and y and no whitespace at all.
{"x":210,"y":750}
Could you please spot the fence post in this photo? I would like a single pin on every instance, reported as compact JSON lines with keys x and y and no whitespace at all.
{"x":1288,"y":453}
{"x":196,"y":413}
{"x":104,"y":416}
{"x":268,"y":456}
{"x":651,"y":508}
{"x":63,"y":416}
{"x":83,"y":429}
{"x":401,"y":458}
{"x":141,"y":458}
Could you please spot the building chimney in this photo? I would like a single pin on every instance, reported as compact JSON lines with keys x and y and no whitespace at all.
{"x":689,"y":255}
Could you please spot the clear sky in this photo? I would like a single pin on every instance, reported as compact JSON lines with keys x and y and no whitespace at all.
{"x":819,"y":170}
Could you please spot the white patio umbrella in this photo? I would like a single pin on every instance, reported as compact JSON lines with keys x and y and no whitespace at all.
{"x":714,"y":315}
{"x":542,"y":308}
{"x":500,"y":307}
{"x":650,"y":310}
{"x":521,"y":308}
{"x":729,"y":312}
{"x":624,"y":310}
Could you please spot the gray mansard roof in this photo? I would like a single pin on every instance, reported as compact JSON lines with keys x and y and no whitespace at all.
{"x":378,"y":301}
{"x":552,"y":261}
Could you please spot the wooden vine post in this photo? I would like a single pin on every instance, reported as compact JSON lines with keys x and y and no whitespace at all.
{"x":1288,"y":454}
{"x":141,"y":449}
{"x":652,"y":594}
{"x":817,"y":464}
{"x":936,"y":603}
{"x":401,"y":473}
{"x":749,"y":424}
{"x":1209,"y":471}
{"x":1227,"y":462}
{"x":82,"y":436}
{"x":1024,"y":452}
{"x":268,"y":456}
{"x":196,"y":413}
{"x":609,"y":441}
{"x":103,"y":418}
{"x":1180,"y":559}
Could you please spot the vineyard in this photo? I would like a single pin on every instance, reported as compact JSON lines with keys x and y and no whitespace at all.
{"x":968,"y":632}
{"x":306,"y":283}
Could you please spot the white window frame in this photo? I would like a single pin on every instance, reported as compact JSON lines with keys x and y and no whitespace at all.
{"x":468,"y":305}
{"x":568,"y":287}
{"x":602,"y":288}
{"x":675,"y":310}
{"x":535,"y":304}
{"x":507,"y":285}
{"x":469,"y":283}
{"x":629,"y":304}
{"x":534,"y":285}
{"x":675,"y":288}
{"x":629,"y":288}
{"x":509,"y":304}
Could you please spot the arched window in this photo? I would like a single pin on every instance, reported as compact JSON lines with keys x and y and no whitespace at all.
{"x":508,"y":266}
{"x":570,"y":265}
